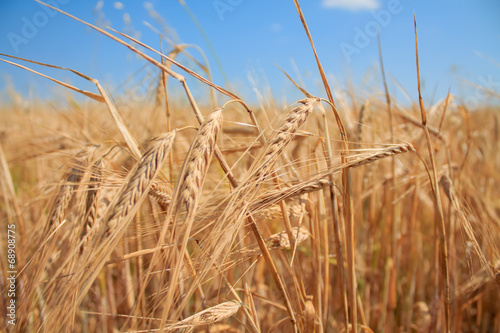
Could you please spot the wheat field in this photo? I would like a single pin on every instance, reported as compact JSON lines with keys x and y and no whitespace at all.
{"x":331,"y":214}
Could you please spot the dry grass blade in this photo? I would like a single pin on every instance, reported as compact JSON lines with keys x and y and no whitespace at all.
{"x":302,"y":90}
{"x":83,"y":92}
{"x":120,"y":122}
{"x":6,"y":176}
{"x":38,"y":264}
{"x":394,"y":213}
{"x":320,"y":67}
{"x":309,"y":315}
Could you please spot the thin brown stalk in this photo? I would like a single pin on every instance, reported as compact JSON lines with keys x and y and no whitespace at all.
{"x":83,"y":92}
{"x":445,"y":108}
{"x":164,"y":86}
{"x":434,"y":181}
{"x":336,"y":225}
{"x":394,"y":212}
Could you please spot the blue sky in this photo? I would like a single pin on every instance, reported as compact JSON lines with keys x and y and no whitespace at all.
{"x":459,"y":44}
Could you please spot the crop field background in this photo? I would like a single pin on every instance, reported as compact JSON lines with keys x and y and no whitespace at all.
{"x":187,"y":206}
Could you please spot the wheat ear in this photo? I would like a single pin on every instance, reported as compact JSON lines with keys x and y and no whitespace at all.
{"x":238,"y":206}
{"x":116,"y":221}
{"x":186,"y":195}
{"x":206,"y":317}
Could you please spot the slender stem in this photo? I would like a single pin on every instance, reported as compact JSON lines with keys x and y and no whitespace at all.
{"x":394,"y":218}
{"x":336,"y":228}
{"x":434,"y":181}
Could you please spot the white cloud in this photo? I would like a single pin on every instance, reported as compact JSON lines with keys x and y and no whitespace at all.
{"x":351,"y":4}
